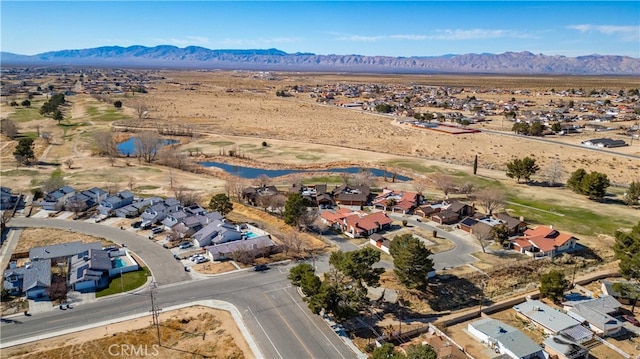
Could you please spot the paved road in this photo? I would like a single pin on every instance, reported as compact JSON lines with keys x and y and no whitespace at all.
{"x":164,"y":268}
{"x":277,"y":318}
{"x":458,"y":256}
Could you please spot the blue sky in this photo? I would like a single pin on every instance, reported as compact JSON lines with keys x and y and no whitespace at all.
{"x":398,"y":28}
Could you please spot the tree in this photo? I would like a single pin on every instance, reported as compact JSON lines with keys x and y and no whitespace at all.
{"x":627,"y":250}
{"x":58,"y":116}
{"x":575,"y":180}
{"x":483,"y":234}
{"x":358,"y":265}
{"x":117,"y":104}
{"x":147,"y":144}
{"x":104,"y":143}
{"x":141,"y":110}
{"x":553,"y":284}
{"x":475,"y":165}
{"x":500,"y":233}
{"x":632,"y":196}
{"x":24,"y":150}
{"x":594,"y":185}
{"x":296,"y":273}
{"x":411,"y":261}
{"x":491,"y":199}
{"x":536,"y":129}
{"x":556,"y":127}
{"x":522,"y":168}
{"x":386,"y":351}
{"x":423,"y":351}
{"x":521,"y":128}
{"x":630,"y":291}
{"x":304,"y":277}
{"x":69,"y":163}
{"x":8,"y":128}
{"x":443,"y":182}
{"x":221,"y":204}
{"x":294,"y":209}
{"x":555,"y":173}
{"x":26,"y":103}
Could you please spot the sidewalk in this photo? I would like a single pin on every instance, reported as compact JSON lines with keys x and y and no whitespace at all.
{"x":9,"y":246}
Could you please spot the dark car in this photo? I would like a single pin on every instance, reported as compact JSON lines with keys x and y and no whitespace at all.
{"x":136,"y":224}
{"x":261,"y":267}
{"x":631,"y":320}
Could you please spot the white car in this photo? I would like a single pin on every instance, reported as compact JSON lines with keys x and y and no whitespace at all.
{"x":195,"y":257}
{"x":201,"y":260}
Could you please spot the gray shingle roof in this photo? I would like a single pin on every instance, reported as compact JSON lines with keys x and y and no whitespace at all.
{"x":509,"y":337}
{"x":62,"y":250}
{"x":545,"y":316}
{"x":37,"y":274}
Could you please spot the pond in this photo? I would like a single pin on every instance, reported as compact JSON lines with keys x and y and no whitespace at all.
{"x":128,"y":147}
{"x":251,"y":172}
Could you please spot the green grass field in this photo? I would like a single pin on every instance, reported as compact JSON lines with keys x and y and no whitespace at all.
{"x":130,"y":281}
{"x":26,"y":114}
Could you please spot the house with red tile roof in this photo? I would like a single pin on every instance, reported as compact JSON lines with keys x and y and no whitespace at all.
{"x":397,"y":201}
{"x":356,"y":223}
{"x":544,"y":241}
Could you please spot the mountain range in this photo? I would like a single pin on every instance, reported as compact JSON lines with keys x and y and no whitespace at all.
{"x":194,"y":57}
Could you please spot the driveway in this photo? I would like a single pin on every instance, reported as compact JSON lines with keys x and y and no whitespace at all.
{"x":165,"y":269}
{"x":461,"y":254}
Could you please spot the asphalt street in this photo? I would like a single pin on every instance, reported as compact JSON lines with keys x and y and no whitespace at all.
{"x":278,"y":319}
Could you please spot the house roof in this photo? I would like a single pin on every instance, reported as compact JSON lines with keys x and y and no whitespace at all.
{"x":604,"y":304}
{"x":546,"y":238}
{"x":511,"y":222}
{"x":62,"y":250}
{"x":600,"y":320}
{"x":37,"y":274}
{"x":247,"y":244}
{"x":509,"y":337}
{"x":545,"y":316}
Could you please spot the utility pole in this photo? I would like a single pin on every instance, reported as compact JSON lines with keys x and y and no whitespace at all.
{"x":155,"y":312}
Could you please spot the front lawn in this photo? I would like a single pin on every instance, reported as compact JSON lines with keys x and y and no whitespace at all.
{"x":130,"y":281}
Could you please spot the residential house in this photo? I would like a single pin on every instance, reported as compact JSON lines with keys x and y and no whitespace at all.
{"x":219,"y":232}
{"x":37,"y":279}
{"x":356,"y":224}
{"x":598,"y":315}
{"x":515,"y":226}
{"x":604,"y":143}
{"x":90,"y":271}
{"x":189,"y":221}
{"x":159,"y":210}
{"x":456,"y":210}
{"x":111,"y":203}
{"x":563,"y":348}
{"x":476,"y":224}
{"x":7,"y":200}
{"x":380,"y":242}
{"x":445,"y":217}
{"x":136,"y":208}
{"x":55,"y":201}
{"x":397,"y":201}
{"x":505,"y":339}
{"x":255,"y":245}
{"x":444,"y":348}
{"x":544,"y":241}
{"x":552,"y":321}
{"x":254,"y":195}
{"x":352,"y":196}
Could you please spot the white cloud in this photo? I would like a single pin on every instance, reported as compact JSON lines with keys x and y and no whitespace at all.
{"x":444,"y":34}
{"x":627,"y":33}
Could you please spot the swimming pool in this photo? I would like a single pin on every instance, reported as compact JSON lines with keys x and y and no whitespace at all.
{"x":119,"y":262}
{"x":250,"y":235}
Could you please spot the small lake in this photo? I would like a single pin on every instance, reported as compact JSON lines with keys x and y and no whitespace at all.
{"x":251,"y":172}
{"x":128,"y":147}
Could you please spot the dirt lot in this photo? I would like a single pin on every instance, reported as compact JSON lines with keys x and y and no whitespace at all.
{"x":38,"y":237}
{"x":182,"y":332}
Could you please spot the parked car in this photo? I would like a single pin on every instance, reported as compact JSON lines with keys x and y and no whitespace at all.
{"x":195,"y":257}
{"x":146,"y":225}
{"x":136,"y":224}
{"x":186,"y":269}
{"x":631,"y":320}
{"x":186,"y":245}
{"x":261,"y":267}
{"x":201,"y":260}
{"x":175,"y":256}
{"x":157,"y":230}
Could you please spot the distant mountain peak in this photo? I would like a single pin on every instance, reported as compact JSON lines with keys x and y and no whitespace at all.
{"x":169,"y":56}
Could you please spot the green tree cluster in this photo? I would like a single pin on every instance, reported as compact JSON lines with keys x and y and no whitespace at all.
{"x":24,"y":150}
{"x":52,"y":107}
{"x":593,"y":184}
{"x":522,"y":168}
{"x":221,"y":203}
{"x":411,"y":261}
{"x":632,"y":195}
{"x":553,"y":284}
{"x":627,"y":250}
{"x":294,"y":209}
{"x":384,"y":108}
{"x":342,"y":293}
{"x":416,"y":351}
{"x":524,"y":128}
